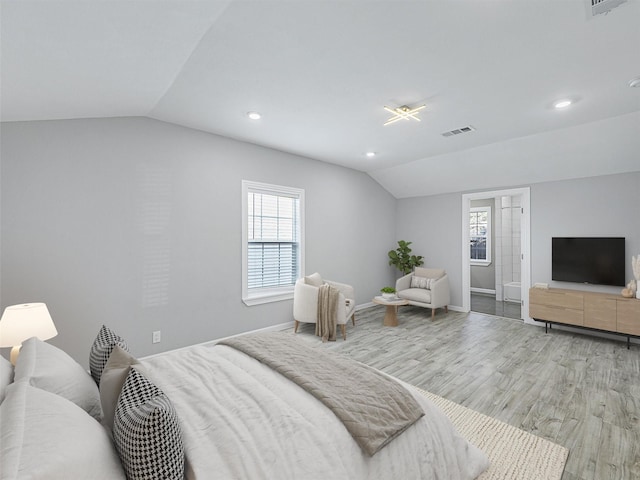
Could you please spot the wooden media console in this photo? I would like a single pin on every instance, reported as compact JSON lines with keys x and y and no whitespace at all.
{"x":602,"y":312}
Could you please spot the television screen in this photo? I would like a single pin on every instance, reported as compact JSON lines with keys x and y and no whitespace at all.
{"x":596,"y":260}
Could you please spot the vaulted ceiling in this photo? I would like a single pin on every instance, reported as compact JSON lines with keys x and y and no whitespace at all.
{"x":320,"y":73}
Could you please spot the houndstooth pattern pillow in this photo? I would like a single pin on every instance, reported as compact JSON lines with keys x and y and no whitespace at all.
{"x":146,"y":432}
{"x":101,"y":349}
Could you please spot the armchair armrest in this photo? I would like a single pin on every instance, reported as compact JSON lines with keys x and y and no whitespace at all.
{"x":305,"y":302}
{"x":346,"y":290}
{"x":440,"y":295}
{"x":403,"y":283}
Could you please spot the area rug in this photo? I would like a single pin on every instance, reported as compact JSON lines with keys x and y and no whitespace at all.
{"x":514,"y":453}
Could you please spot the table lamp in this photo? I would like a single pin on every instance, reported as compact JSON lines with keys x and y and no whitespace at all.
{"x":20,"y":322}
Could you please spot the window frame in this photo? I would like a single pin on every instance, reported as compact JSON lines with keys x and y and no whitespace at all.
{"x":487,"y":261}
{"x":269,"y":294}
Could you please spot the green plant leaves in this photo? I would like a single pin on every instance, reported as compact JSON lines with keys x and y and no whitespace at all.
{"x":402,"y":259}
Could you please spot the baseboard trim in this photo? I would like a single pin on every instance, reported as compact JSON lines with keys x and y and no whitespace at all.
{"x":272,"y":328}
{"x":487,"y":291}
{"x":456,"y":308}
{"x":362,"y":306}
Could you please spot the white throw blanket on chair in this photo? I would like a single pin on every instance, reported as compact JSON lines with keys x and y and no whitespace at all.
{"x":328,"y":299}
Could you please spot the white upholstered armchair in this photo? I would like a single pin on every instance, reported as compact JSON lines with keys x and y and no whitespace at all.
{"x":305,"y":302}
{"x":425,"y":287}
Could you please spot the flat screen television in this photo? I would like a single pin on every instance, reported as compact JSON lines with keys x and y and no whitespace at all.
{"x":596,"y":260}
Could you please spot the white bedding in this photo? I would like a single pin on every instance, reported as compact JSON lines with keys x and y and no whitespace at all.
{"x":241,"y":420}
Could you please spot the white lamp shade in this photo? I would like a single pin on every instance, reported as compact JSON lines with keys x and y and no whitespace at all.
{"x":20,"y":322}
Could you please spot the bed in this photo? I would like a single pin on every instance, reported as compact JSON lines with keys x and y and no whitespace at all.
{"x":233,"y":417}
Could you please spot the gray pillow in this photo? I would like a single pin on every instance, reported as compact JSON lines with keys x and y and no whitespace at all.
{"x":49,"y":368}
{"x":113,"y":376}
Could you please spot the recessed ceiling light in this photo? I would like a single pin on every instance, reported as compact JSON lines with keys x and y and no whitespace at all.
{"x":254,"y":115}
{"x":634,"y":83}
{"x":562,"y":104}
{"x":370,"y":154}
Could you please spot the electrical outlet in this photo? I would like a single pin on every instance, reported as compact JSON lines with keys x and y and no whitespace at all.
{"x":156,"y":337}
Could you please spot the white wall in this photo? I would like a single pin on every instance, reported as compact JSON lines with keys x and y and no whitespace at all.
{"x":433,"y":224}
{"x":136,"y":223}
{"x":596,"y":206}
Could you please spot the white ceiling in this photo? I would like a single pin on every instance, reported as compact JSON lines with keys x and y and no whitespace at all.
{"x":320,"y":72}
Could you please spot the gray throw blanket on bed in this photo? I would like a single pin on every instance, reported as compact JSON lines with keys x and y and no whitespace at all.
{"x":328,"y":298}
{"x":374,"y":408}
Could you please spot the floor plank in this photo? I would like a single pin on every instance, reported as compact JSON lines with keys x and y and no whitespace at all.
{"x":577,"y":390}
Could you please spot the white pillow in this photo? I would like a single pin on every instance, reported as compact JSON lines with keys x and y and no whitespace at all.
{"x":421,"y":282}
{"x":44,"y":436}
{"x":49,"y":368}
{"x":6,"y":376}
{"x":113,"y":376}
{"x":314,"y":279}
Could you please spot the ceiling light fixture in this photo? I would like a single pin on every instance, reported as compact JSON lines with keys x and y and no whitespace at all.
{"x":562,"y":104}
{"x":403,"y":113}
{"x":634,"y":83}
{"x":370,"y":154}
{"x":254,"y":115}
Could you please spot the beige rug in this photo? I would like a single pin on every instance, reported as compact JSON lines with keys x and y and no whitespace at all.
{"x":514,"y":453}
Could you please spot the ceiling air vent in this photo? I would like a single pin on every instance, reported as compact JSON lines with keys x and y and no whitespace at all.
{"x":603,"y":6}
{"x":458,"y":131}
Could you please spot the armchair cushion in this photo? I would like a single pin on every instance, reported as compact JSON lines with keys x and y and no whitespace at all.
{"x":429,"y":272}
{"x":421,"y":295}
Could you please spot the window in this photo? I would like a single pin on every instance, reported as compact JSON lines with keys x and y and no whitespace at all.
{"x":480,"y":235}
{"x":272,"y":235}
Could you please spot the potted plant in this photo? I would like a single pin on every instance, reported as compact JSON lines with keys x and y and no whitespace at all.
{"x":402,"y":259}
{"x":388,"y":292}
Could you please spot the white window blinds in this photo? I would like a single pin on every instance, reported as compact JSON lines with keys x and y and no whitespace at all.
{"x":273,"y":246}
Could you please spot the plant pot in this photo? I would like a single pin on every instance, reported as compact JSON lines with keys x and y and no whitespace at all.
{"x":388,"y":296}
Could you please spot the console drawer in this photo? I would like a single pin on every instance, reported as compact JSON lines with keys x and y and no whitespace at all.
{"x":556,"y":314}
{"x":600,"y":312}
{"x":629,"y":317}
{"x":556,"y":298}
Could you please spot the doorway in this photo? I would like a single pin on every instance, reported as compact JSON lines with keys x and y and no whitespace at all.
{"x":502,"y":276}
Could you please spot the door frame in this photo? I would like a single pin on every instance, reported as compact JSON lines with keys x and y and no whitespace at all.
{"x":525,"y":245}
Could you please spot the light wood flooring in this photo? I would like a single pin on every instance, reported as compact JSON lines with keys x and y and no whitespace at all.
{"x":576,"y":390}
